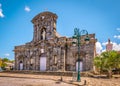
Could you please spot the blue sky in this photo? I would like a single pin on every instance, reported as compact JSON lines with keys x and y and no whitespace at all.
{"x":101,"y":17}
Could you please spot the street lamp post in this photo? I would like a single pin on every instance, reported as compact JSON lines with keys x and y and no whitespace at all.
{"x":76,"y":40}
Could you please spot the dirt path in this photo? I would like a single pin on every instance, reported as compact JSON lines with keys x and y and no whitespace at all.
{"x":16,"y":79}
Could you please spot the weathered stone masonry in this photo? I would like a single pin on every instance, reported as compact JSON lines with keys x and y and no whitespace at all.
{"x":48,"y":51}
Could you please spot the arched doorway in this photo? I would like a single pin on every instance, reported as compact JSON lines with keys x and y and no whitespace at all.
{"x":81,"y":66}
{"x":21,"y":65}
{"x":42,"y":63}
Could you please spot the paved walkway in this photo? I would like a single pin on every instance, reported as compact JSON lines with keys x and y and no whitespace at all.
{"x":15,"y":79}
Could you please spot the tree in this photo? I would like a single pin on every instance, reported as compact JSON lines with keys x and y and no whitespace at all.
{"x":5,"y":60}
{"x":4,"y":63}
{"x":108,"y":61}
{"x":97,"y":62}
{"x":0,"y":62}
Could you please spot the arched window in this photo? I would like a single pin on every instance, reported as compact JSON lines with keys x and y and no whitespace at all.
{"x":43,"y":34}
{"x":55,"y":59}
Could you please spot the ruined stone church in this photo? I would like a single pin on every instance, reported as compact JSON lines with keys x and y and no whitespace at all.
{"x":48,"y":51}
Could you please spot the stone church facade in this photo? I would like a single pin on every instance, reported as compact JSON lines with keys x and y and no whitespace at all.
{"x":48,"y":51}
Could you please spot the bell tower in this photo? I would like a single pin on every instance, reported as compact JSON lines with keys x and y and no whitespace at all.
{"x":44,"y":26}
{"x":109,"y":46}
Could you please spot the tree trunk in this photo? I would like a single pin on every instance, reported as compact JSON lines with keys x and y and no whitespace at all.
{"x":109,"y":74}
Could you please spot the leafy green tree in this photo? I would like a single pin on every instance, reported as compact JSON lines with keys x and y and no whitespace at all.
{"x":4,"y":62}
{"x":108,"y":61}
{"x":0,"y":62}
{"x":97,"y":62}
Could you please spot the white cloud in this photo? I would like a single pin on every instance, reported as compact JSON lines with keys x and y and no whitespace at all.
{"x":1,"y":12}
{"x":117,"y":36}
{"x":7,"y":54}
{"x":118,"y":29}
{"x":104,"y":50}
{"x":98,"y":47}
{"x":116,"y":46}
{"x":104,"y":43}
{"x":27,"y":9}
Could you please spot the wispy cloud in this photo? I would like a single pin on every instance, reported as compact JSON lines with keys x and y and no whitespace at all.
{"x":27,"y":9}
{"x":104,"y":43}
{"x":7,"y":54}
{"x":1,"y":12}
{"x":117,"y":36}
{"x":118,"y":29}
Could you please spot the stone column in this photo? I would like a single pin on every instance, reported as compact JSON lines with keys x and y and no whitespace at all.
{"x":48,"y":62}
{"x":37,"y":33}
{"x":34,"y":34}
{"x":63,"y":60}
{"x":37,"y":62}
{"x":16,"y":67}
{"x":39,"y":37}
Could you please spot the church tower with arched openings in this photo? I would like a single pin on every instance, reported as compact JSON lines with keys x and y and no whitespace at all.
{"x":44,"y":26}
